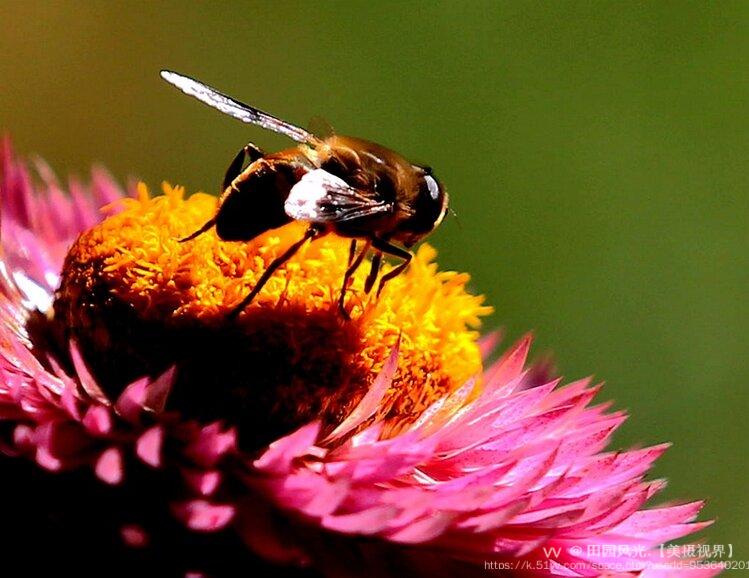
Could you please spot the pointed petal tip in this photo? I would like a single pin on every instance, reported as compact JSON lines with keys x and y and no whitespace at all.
{"x":149,"y":445}
{"x":158,"y":391}
{"x":368,"y":405}
{"x":87,"y":381}
{"x":489,"y":342}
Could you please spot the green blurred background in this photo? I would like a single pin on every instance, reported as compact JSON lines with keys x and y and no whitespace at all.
{"x":595,"y":152}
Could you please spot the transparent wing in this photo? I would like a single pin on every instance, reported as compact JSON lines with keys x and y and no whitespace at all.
{"x":320,"y":197}
{"x":320,"y":127}
{"x":238,"y":110}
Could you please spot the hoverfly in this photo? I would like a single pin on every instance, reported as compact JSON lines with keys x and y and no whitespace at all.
{"x":355,"y":188}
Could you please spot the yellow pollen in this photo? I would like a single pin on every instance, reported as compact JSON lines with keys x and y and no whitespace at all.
{"x":130,"y":272}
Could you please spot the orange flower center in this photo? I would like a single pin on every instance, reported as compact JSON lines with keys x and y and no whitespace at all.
{"x":138,"y":301}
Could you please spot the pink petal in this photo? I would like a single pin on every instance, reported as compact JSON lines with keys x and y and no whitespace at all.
{"x":134,"y":536}
{"x":212,"y":444}
{"x":428,"y":528}
{"x":511,"y":364}
{"x":204,"y":516}
{"x":149,"y":446}
{"x":131,"y":402}
{"x":203,"y":482}
{"x":489,"y":342}
{"x":88,"y":383}
{"x":369,"y":404}
{"x":158,"y":390}
{"x":109,"y":466}
{"x":369,"y":521}
{"x":279,"y":454}
{"x":645,"y":521}
{"x":98,"y":420}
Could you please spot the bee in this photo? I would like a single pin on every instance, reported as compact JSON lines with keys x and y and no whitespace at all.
{"x":345,"y":185}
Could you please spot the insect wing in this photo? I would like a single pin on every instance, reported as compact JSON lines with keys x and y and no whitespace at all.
{"x":238,"y":110}
{"x":320,"y":127}
{"x":320,"y":197}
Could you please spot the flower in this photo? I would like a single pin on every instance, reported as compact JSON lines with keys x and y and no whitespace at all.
{"x":375,"y":446}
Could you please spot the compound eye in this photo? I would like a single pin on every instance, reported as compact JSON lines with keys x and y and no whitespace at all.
{"x":433,"y":187}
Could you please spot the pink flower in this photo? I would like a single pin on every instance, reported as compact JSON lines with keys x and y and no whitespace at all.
{"x":513,"y":481}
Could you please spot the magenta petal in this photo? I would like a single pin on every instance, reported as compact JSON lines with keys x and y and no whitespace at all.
{"x":131,"y":402}
{"x":149,"y":445}
{"x":675,"y":532}
{"x":511,"y":364}
{"x":444,"y":410}
{"x":326,"y":498}
{"x":157,"y":392}
{"x":109,"y":466}
{"x":492,"y":519}
{"x":277,"y":458}
{"x":211,"y":445}
{"x":98,"y":420}
{"x":369,"y":521}
{"x":47,"y":461}
{"x":88,"y":383}
{"x":369,"y":404}
{"x":489,"y":342}
{"x":69,"y":401}
{"x":645,"y":521}
{"x":203,"y":482}
{"x":428,"y":528}
{"x":145,"y":395}
{"x":134,"y":536}
{"x":204,"y":516}
{"x":23,"y":436}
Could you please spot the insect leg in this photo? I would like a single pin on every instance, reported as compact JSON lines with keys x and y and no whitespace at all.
{"x":199,"y":232}
{"x":311,"y":233}
{"x":373,"y":271}
{"x":249,"y":151}
{"x":353,"y":265}
{"x":395,"y":251}
{"x":351,"y":252}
